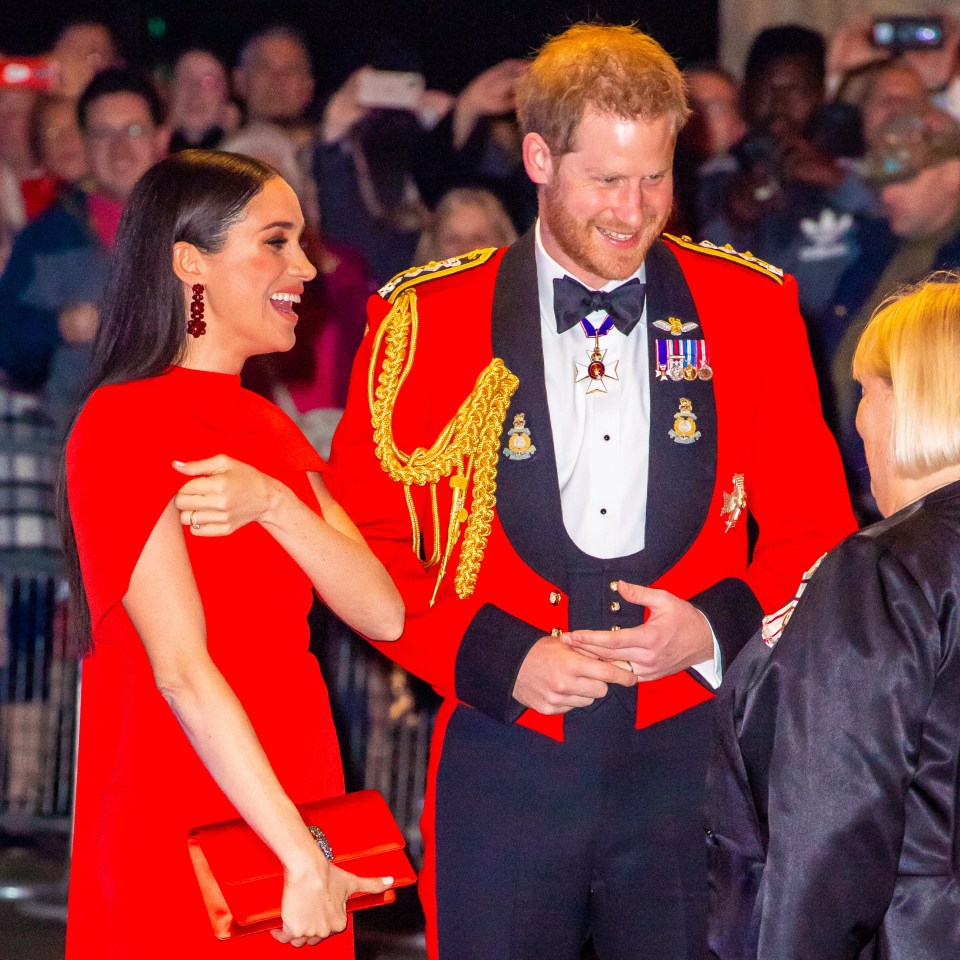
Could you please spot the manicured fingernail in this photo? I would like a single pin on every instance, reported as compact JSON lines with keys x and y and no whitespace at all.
{"x":178,"y":463}
{"x":387,"y":880}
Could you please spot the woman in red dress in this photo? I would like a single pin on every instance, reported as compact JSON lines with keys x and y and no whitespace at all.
{"x":200,"y":699}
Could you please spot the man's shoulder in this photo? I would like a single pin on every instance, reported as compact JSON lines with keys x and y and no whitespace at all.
{"x":477,"y":264}
{"x":689,"y":251}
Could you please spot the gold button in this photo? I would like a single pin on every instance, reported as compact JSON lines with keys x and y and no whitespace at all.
{"x":614,"y":628}
{"x":615,"y":606}
{"x":555,"y":597}
{"x":556,"y":632}
{"x":613,"y":585}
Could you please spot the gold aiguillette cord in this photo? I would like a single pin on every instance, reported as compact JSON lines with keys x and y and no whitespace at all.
{"x":466,"y":450}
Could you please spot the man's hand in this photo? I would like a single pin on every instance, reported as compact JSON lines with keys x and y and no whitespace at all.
{"x":555,"y":678}
{"x":676,"y":635}
{"x":78,"y":324}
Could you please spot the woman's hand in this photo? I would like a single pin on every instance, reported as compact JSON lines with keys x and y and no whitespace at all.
{"x":314,"y":901}
{"x":224,"y":495}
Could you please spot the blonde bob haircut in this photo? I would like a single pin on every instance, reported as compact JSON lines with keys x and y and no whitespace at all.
{"x":614,"y":70}
{"x":913,"y":343}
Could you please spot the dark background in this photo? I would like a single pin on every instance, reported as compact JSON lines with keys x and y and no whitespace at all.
{"x":449,"y":40}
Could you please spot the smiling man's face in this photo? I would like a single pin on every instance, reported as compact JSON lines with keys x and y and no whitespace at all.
{"x":604,"y":203}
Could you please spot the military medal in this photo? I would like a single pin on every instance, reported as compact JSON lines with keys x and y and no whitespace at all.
{"x":596,"y":370}
{"x":685,"y":424}
{"x":661,"y":371}
{"x":734,"y":503}
{"x":675,"y":326}
{"x":682,"y":360}
{"x":674,"y":359}
{"x":689,"y":359}
{"x":704,"y":370}
{"x":520,"y":443}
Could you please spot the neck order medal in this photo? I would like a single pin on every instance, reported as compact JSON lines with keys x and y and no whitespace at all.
{"x":596,"y":370}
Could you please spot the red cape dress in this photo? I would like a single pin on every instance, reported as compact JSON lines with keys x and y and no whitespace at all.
{"x":133,"y":892}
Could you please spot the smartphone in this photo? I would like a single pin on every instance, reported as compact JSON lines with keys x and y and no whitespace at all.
{"x":32,"y":73}
{"x":391,"y":89}
{"x":908,"y":33}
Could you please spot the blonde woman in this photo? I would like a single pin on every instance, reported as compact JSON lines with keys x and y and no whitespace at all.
{"x":834,"y":819}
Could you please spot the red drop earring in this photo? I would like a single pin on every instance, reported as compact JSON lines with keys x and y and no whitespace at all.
{"x":197,"y":327}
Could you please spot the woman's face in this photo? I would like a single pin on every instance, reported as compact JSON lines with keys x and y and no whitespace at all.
{"x":875,"y":426}
{"x":253,"y":284}
{"x":466,"y":228}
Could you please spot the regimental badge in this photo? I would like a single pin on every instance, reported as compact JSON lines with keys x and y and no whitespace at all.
{"x":685,"y":424}
{"x":683,"y":360}
{"x":520,"y":444}
{"x":675,"y":326}
{"x":596,"y":371}
{"x":734,"y":503}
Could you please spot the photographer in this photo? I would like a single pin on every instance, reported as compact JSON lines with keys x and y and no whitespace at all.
{"x":930,"y":45}
{"x":790,"y":200}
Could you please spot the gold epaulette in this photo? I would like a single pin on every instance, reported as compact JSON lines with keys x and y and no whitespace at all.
{"x":465,"y":453}
{"x":726,"y":252}
{"x":432,"y":270}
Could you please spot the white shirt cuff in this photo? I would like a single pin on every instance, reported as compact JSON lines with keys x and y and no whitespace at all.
{"x":711,"y":670}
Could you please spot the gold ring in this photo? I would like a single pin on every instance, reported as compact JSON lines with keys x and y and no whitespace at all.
{"x":193,"y":521}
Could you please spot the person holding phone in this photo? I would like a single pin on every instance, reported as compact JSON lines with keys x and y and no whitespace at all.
{"x":201,"y":700}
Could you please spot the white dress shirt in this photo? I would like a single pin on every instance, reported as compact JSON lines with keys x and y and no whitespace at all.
{"x":601,"y":439}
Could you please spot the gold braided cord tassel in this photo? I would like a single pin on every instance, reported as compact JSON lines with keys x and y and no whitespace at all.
{"x":466,"y":449}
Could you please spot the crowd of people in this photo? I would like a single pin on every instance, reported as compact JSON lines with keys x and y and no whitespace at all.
{"x":833,"y":160}
{"x":541,"y":472}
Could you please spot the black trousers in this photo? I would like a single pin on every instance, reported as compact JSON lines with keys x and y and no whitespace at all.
{"x":541,"y":844}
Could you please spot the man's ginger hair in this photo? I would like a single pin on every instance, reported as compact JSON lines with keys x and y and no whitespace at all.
{"x":615,"y":70}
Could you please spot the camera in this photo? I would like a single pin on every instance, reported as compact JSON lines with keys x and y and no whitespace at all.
{"x":908,"y":33}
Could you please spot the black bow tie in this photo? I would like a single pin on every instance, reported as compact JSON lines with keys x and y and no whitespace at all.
{"x":572,"y":302}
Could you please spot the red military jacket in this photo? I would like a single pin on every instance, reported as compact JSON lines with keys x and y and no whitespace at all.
{"x":758,"y":417}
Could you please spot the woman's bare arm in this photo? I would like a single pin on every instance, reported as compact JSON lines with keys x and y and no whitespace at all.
{"x":165,"y":608}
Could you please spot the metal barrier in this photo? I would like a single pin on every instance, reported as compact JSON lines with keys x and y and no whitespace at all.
{"x":38,"y":691}
{"x":384,"y":720}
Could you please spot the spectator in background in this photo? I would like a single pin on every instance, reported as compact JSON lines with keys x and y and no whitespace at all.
{"x":56,"y":141}
{"x":465,"y":219}
{"x":378,"y":170}
{"x":274,"y":76}
{"x":715,"y":101}
{"x":309,"y":382}
{"x":82,"y":49}
{"x":50,"y":290}
{"x":26,"y":190}
{"x":363,"y":165}
{"x":851,"y":48}
{"x":703,"y":163}
{"x":791,"y":201}
{"x":915,"y":166}
{"x":893,"y":88}
{"x":198,"y":99}
{"x":479,"y":144}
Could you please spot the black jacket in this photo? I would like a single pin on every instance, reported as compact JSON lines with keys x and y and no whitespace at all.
{"x":833,"y":820}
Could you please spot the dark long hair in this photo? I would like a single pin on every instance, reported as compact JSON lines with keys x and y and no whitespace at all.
{"x":193,"y":196}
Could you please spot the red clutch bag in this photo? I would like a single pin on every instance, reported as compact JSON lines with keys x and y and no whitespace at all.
{"x":241,"y":878}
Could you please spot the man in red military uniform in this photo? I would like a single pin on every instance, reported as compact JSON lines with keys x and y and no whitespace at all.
{"x":554,"y":448}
